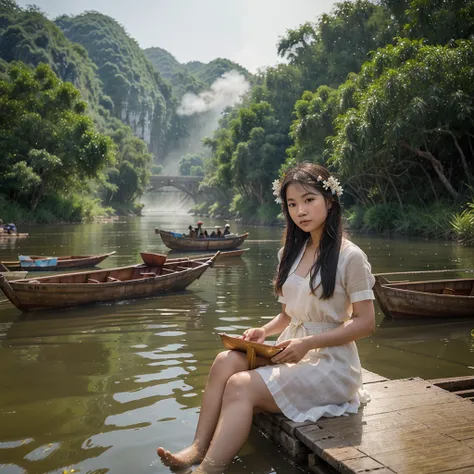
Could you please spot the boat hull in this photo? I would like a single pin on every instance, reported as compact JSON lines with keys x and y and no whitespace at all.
{"x":62,"y":263}
{"x":6,"y":235}
{"x":17,"y":275}
{"x":425,"y":299}
{"x":210,"y":245}
{"x":93,"y":287}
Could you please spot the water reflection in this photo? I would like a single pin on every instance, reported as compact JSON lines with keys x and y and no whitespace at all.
{"x":99,"y":388}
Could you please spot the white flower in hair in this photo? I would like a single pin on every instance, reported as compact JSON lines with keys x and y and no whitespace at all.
{"x":276,"y":185}
{"x":332,"y":184}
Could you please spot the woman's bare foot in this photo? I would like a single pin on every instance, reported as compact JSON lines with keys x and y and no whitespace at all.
{"x":184,"y":458}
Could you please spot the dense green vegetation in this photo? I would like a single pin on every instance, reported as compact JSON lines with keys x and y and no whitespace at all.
{"x":387,"y":105}
{"x":381,"y":93}
{"x":47,"y":143}
{"x":191,"y":165}
{"x":29,"y":39}
{"x":176,"y":73}
{"x":132,"y":107}
{"x":138,"y":94}
{"x":28,"y":36}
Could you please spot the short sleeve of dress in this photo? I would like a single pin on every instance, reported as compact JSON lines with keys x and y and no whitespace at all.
{"x":358,"y":278}
{"x":281,"y":298}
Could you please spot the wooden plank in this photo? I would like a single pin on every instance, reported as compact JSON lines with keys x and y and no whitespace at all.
{"x":463,"y":470}
{"x":410,"y":426}
{"x":372,"y":423}
{"x":363,"y":464}
{"x":432,"y":458}
{"x":396,"y":388}
{"x":371,"y":377}
{"x":395,"y":440}
{"x":393,"y":404}
{"x":454,"y":383}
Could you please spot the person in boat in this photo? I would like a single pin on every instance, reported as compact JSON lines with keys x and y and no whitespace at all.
{"x":226,"y":230}
{"x":199,"y":231}
{"x":206,"y":235}
{"x":192,"y":232}
{"x":218,"y":232}
{"x":1,"y":227}
{"x":213,"y":234}
{"x":10,"y":228}
{"x":324,"y":283}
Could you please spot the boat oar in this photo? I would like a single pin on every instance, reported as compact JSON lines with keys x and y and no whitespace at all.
{"x":211,"y":261}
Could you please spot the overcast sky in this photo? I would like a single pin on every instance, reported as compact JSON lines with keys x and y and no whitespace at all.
{"x":245,"y":31}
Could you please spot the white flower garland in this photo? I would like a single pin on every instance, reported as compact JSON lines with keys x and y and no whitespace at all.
{"x":276,"y":185}
{"x":331,"y":183}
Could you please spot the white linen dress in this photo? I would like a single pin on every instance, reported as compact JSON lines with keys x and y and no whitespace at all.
{"x":328,"y":381}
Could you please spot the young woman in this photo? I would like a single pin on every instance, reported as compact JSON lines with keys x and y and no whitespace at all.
{"x":325,"y":285}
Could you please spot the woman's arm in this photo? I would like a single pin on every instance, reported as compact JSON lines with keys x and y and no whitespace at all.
{"x":275,"y":326}
{"x":362,"y":324}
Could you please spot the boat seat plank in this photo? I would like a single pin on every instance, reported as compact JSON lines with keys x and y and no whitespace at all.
{"x":178,"y":267}
{"x":92,"y":280}
{"x":148,"y":274}
{"x":166,"y":270}
{"x":109,"y":278}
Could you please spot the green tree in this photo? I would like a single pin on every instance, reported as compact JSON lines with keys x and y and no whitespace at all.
{"x":49,"y":146}
{"x":191,"y":165}
{"x":128,"y":179}
{"x":415,"y":110}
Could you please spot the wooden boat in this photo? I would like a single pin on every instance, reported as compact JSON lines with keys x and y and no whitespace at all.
{"x":14,"y":275}
{"x":39,"y":263}
{"x":6,"y":236}
{"x":74,"y":289}
{"x":155,"y":258}
{"x":223,"y":254}
{"x":176,"y":241}
{"x":448,"y":298}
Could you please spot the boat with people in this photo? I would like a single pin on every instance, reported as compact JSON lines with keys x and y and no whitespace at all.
{"x":113,"y":284}
{"x":178,"y":241}
{"x":448,"y":298}
{"x":41,"y":263}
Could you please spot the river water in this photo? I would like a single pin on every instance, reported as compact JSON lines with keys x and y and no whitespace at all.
{"x":97,"y":389}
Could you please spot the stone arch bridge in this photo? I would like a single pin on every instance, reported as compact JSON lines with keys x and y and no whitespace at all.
{"x":186,"y":184}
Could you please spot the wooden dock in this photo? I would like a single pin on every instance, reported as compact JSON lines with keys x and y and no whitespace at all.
{"x":410,"y":426}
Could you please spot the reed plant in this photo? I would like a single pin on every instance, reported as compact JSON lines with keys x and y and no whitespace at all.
{"x":463,"y":225}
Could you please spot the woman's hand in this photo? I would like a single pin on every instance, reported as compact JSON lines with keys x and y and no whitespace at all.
{"x":293,"y":351}
{"x":255,"y":335}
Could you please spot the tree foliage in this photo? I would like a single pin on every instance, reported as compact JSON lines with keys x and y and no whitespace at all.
{"x":47,"y":142}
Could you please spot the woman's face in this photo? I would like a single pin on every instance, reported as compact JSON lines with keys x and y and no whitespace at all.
{"x":307,"y":207}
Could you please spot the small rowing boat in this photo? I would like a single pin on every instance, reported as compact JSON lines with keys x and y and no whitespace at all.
{"x":157,"y":259}
{"x":176,"y":241}
{"x":448,"y":298}
{"x":115,"y":284}
{"x":34,"y":263}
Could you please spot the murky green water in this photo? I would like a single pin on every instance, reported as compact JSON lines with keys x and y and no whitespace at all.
{"x":97,"y":389}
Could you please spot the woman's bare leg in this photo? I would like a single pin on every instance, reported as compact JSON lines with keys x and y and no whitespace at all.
{"x":225,"y":365}
{"x":245,"y":393}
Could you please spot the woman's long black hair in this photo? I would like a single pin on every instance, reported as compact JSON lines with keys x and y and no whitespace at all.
{"x":294,"y":238}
